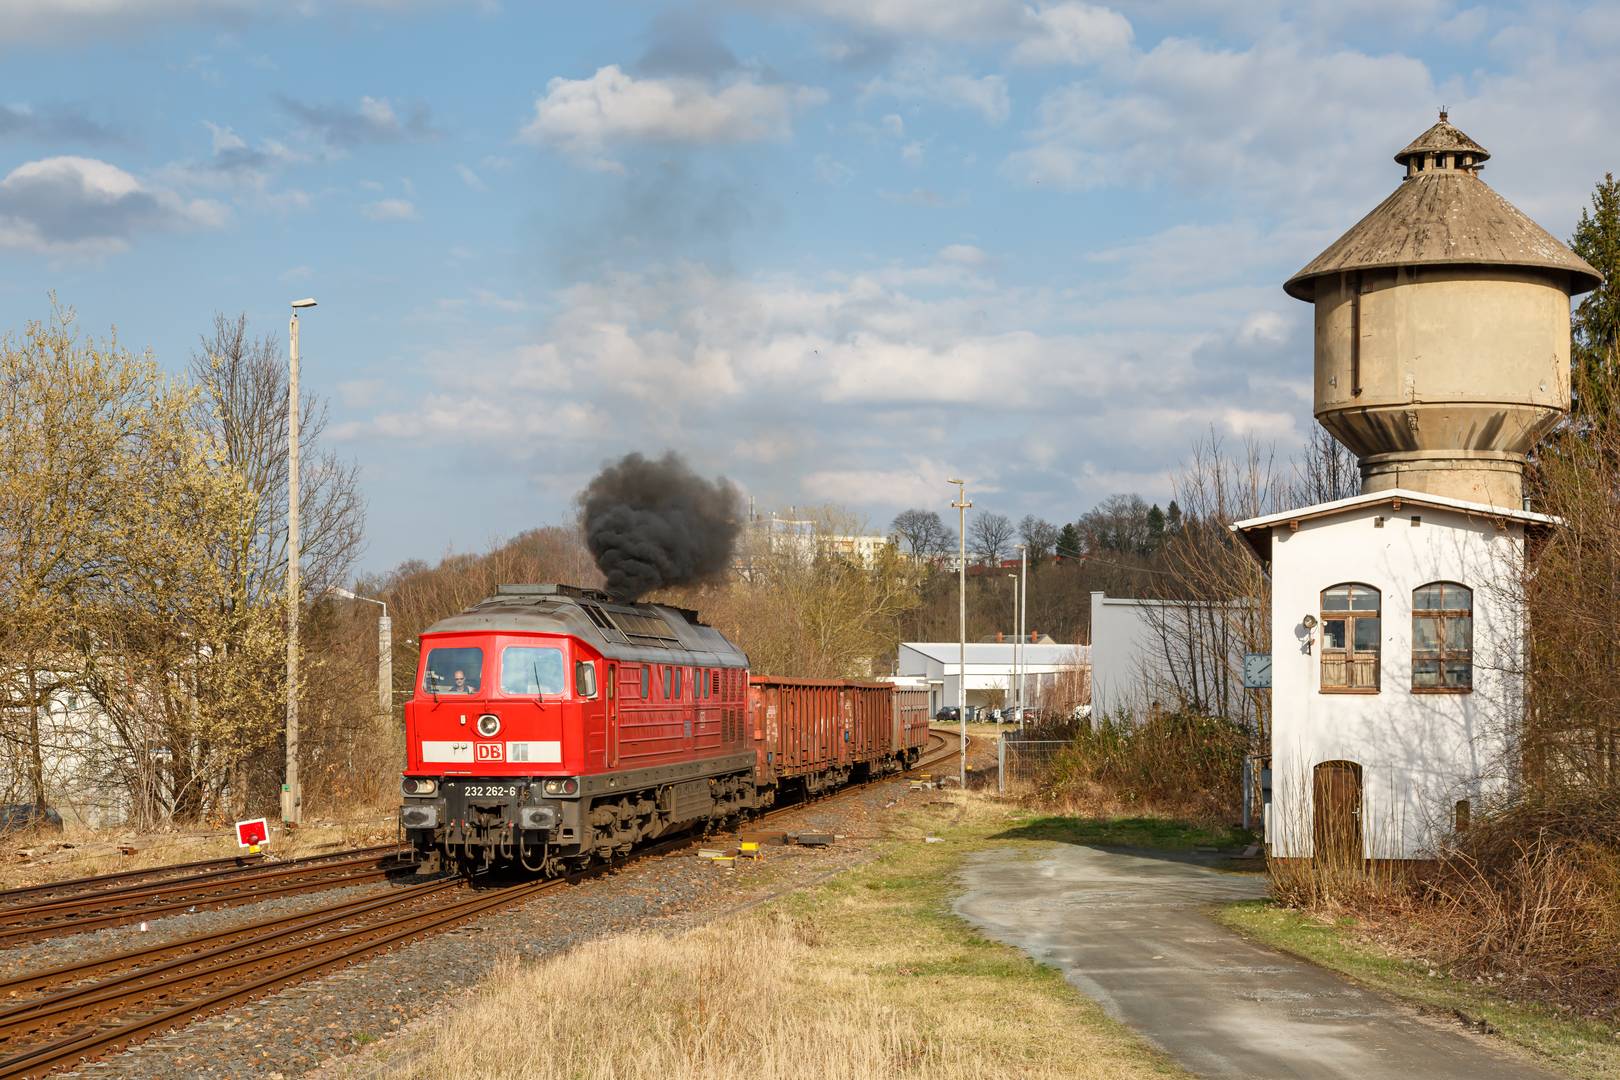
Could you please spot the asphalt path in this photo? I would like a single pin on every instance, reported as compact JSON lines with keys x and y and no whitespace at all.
{"x":1132,"y":931}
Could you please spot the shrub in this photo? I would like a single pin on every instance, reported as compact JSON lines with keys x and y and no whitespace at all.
{"x":1183,"y":764}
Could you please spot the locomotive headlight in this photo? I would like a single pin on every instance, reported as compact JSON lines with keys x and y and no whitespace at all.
{"x":568,"y":786}
{"x":489,"y":725}
{"x":419,"y":785}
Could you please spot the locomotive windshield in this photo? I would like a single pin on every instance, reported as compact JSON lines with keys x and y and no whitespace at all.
{"x":454,"y":671}
{"x":529,"y":671}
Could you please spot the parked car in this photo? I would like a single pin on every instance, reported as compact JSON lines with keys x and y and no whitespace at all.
{"x":14,"y":816}
{"x":946,"y":715}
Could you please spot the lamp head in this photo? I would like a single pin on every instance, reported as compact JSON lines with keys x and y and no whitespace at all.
{"x":1309,"y":622}
{"x":306,"y":302}
{"x":956,"y":481}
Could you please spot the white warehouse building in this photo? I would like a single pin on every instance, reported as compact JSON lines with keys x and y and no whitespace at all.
{"x":990,"y":669}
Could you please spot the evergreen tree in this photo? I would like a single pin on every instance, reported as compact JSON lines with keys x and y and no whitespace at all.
{"x":1172,"y":518}
{"x":1068,"y":544}
{"x":1595,"y":324}
{"x":1155,"y":529}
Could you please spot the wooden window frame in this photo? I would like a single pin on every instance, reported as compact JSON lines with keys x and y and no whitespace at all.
{"x":1441,"y":657}
{"x":1348,"y":655}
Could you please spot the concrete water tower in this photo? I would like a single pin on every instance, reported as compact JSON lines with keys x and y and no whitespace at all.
{"x":1442,"y":330}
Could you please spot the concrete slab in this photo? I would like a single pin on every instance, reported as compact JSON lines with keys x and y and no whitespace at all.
{"x":1131,"y":931}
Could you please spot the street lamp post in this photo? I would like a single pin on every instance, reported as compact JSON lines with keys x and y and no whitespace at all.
{"x":291,"y":794}
{"x":385,"y":653}
{"x":961,"y":504}
{"x":1023,"y":646}
{"x":1012,"y":668}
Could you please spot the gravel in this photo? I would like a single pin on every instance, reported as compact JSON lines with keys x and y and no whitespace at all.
{"x":320,"y":1022}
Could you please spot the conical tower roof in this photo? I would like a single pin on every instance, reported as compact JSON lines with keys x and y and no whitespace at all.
{"x":1444,"y":216}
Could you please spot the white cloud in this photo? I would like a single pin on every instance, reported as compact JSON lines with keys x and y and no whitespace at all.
{"x":390,"y":210}
{"x":831,"y":171}
{"x":585,"y":116}
{"x":73,"y":21}
{"x":1254,"y":119}
{"x":470,"y":178}
{"x":1072,"y":33}
{"x":78,"y":206}
{"x":1065,"y":32}
{"x":923,"y":76}
{"x":371,"y":121}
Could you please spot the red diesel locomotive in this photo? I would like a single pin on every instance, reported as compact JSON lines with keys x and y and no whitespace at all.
{"x":551,"y":725}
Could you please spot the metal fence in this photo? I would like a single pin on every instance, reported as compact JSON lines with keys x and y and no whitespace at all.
{"x":1024,"y":763}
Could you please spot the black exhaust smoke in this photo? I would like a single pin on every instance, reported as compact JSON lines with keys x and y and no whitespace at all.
{"x":653,"y":523}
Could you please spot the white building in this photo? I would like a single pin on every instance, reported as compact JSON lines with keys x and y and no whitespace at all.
{"x":1147,"y":652}
{"x":1395,"y":666}
{"x":990,"y":669}
{"x":807,"y":538}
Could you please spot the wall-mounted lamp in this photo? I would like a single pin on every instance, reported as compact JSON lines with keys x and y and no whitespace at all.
{"x":1309,"y":623}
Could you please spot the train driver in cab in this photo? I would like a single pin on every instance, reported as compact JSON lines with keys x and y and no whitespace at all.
{"x":460,"y":685}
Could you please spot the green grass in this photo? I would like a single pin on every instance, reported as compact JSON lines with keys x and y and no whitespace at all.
{"x":1581,"y":1048}
{"x":1032,"y":1020}
{"x":1159,"y":834}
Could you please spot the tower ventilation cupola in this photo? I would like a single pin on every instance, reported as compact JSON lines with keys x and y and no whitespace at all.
{"x":1442,"y":148}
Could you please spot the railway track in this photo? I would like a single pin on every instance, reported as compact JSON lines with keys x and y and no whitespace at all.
{"x":85,"y":906}
{"x":85,"y":886}
{"x":92,"y":1007}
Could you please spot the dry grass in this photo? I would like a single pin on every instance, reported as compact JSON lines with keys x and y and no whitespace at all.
{"x":1526,"y":900}
{"x":76,"y":851}
{"x":866,"y":976}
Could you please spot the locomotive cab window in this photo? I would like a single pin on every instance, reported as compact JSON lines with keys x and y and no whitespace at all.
{"x":1442,"y":638}
{"x":453,"y":671}
{"x":584,"y":679}
{"x":530,"y":671}
{"x":1350,"y":638}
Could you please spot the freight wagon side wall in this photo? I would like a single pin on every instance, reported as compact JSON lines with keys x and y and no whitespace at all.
{"x":911,"y":706}
{"x":874,"y":735}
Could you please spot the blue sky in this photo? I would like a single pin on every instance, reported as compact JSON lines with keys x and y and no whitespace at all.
{"x":838,"y":250}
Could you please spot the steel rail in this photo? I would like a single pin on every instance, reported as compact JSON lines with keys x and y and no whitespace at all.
{"x":208,"y":878}
{"x":87,"y":884}
{"x":243,"y":936}
{"x":128,"y":990}
{"x":249,"y":889}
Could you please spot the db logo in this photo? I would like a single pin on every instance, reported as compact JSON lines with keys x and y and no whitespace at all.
{"x":489,"y":751}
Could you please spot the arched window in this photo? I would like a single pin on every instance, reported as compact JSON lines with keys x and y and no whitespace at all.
{"x":1443,"y":638}
{"x":1350,"y":636}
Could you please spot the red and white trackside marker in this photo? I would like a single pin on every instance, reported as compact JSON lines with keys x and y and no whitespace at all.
{"x":250,"y":834}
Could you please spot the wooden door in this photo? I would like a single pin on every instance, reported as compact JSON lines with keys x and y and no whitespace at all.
{"x":1336,"y":820}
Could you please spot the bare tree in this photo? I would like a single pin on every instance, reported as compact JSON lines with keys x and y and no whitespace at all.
{"x":1324,"y":471}
{"x":244,"y":405}
{"x":1120,"y":524}
{"x":989,"y":537}
{"x":1040,"y":537}
{"x":923,"y":531}
{"x":243,"y":408}
{"x":1216,"y":599}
